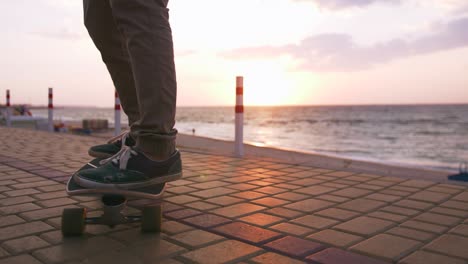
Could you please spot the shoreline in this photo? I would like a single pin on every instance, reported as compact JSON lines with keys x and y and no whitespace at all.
{"x":214,"y":146}
{"x":222,"y":147}
{"x":205,"y":145}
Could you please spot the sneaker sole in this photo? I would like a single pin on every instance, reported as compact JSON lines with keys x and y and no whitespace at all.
{"x":126,"y":186}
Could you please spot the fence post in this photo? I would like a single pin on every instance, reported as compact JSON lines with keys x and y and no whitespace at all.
{"x":50,"y":126}
{"x":8,"y":110}
{"x":239,"y":126}
{"x":117,"y":125}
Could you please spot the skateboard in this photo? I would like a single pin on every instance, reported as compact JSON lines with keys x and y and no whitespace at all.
{"x":74,"y":220}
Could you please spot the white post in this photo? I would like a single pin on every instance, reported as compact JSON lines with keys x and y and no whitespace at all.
{"x":51,"y":111}
{"x":8,"y":110}
{"x":117,"y":125}
{"x":239,"y":136}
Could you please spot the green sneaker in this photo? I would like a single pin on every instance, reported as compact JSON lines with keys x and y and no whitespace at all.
{"x":112,"y":147}
{"x":130,"y":169}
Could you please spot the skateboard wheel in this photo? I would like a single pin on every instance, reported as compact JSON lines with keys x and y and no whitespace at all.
{"x":73,"y":221}
{"x":151,"y":218}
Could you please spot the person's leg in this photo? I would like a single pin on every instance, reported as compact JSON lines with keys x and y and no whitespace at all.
{"x":101,"y":26}
{"x":148,"y":37}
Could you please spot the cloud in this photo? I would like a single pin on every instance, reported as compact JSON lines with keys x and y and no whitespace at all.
{"x":461,"y":10}
{"x":343,"y":4}
{"x":338,"y":52}
{"x":63,"y":34}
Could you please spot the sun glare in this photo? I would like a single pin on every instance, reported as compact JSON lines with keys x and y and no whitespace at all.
{"x":266,"y":84}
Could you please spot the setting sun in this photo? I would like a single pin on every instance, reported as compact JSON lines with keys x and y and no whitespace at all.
{"x":266,"y":83}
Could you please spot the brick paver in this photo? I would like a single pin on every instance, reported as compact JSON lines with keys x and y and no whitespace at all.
{"x":247,"y":233}
{"x":389,"y":247}
{"x":424,"y":257}
{"x":338,"y":256}
{"x":221,"y":252}
{"x":451,"y":245}
{"x":296,"y":247}
{"x":336,"y":238}
{"x":229,"y":210}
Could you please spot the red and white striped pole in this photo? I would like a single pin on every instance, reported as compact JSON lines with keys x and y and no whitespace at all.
{"x":239,"y":136}
{"x":117,"y":125}
{"x":51,"y":111}
{"x":8,"y":110}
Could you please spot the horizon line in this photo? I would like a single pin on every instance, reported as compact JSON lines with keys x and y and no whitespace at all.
{"x":281,"y":105}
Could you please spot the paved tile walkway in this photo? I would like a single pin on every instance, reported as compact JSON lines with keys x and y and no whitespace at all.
{"x":228,"y":210}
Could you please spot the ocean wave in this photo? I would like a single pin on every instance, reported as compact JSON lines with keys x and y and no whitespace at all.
{"x":434,"y":133}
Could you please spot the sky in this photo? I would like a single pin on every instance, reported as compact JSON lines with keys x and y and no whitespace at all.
{"x":290,"y":52}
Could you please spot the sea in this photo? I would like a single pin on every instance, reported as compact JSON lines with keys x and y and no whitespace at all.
{"x":423,"y":136}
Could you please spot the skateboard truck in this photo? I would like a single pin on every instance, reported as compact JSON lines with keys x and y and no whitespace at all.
{"x":112,"y":216}
{"x":74,"y":220}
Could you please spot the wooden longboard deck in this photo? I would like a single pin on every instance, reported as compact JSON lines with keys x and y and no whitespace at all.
{"x":150,"y":192}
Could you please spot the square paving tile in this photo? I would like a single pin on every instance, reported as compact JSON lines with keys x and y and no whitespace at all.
{"x":411,"y":233}
{"x":383,"y":197}
{"x":270,"y":202}
{"x":224,"y":200}
{"x":450,"y":212}
{"x":417,"y":183}
{"x":462,"y":196}
{"x":428,"y":227}
{"x":183,"y":213}
{"x":273,"y":258}
{"x":336,"y":238}
{"x":339,"y":256}
{"x":388,"y":216}
{"x":23,"y":244}
{"x":248,"y":233}
{"x":219,"y":191}
{"x":226,"y":251}
{"x":352,"y":192}
{"x":431,"y":197}
{"x":284,"y":212}
{"x":238,"y":210}
{"x":292,"y":229}
{"x":295,"y":247}
{"x":451,"y":245}
{"x":365,"y":226}
{"x":291,"y":196}
{"x":261,"y":219}
{"x":314,"y":221}
{"x":249,"y":195}
{"x":206,"y":220}
{"x":196,"y":238}
{"x":438,"y":219}
{"x":361,"y":205}
{"x":461,"y":230}
{"x":455,"y":205}
{"x":400,"y":210}
{"x":391,"y":248}
{"x":424,"y":257}
{"x":309,"y":205}
{"x":338,"y":214}
{"x":315,"y":190}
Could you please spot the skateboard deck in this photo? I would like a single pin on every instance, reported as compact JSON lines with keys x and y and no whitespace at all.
{"x":114,"y":201}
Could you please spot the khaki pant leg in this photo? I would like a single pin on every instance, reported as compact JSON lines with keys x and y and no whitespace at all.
{"x":101,"y":26}
{"x":148,"y":37}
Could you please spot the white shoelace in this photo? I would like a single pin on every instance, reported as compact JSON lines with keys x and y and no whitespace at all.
{"x":121,"y":158}
{"x":122,"y":135}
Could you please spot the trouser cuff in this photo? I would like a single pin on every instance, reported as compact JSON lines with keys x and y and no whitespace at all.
{"x":157,"y":145}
